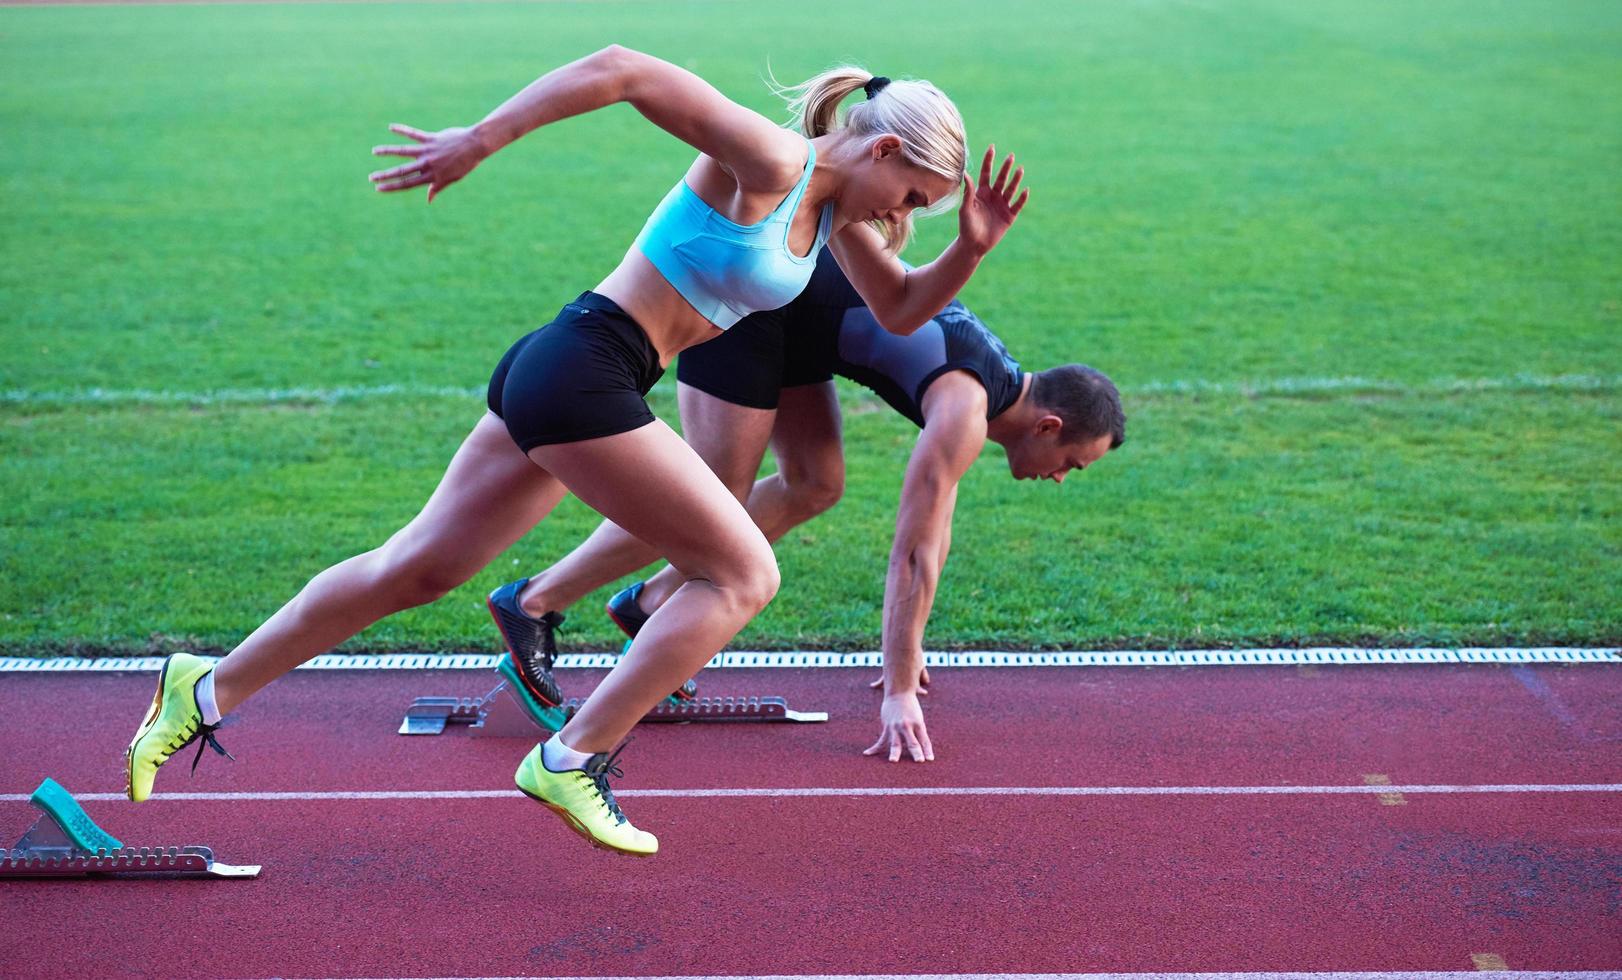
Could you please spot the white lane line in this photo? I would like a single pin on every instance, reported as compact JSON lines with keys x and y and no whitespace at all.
{"x":858,"y":791}
{"x":1292,"y":975}
{"x":747,"y":659}
{"x":1299,"y":387}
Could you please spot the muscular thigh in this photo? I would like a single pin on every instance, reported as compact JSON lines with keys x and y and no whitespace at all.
{"x":731,"y":438}
{"x":654,"y":485}
{"x":807,"y":437}
{"x":490,"y":496}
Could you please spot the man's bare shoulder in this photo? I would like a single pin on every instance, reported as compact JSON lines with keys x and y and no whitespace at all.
{"x":954,"y":396}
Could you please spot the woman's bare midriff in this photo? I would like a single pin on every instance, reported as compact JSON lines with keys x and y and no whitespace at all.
{"x":670,"y":322}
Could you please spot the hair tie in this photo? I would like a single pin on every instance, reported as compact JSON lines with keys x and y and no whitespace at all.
{"x":875,"y":85}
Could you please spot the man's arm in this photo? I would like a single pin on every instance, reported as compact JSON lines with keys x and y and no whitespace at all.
{"x":954,"y":433}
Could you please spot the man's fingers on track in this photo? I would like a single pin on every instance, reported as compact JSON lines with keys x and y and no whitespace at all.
{"x":414,"y":150}
{"x":914,"y":748}
{"x":410,"y":131}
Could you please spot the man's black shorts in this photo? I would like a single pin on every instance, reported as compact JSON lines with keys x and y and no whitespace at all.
{"x":762,"y":354}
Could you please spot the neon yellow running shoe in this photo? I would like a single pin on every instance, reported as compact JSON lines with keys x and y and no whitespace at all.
{"x":584,"y":801}
{"x":173,"y":723}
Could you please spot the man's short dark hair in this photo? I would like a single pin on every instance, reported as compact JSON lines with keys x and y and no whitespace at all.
{"x":1084,"y":400}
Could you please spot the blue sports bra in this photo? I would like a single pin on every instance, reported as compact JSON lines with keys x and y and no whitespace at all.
{"x":727,"y":270}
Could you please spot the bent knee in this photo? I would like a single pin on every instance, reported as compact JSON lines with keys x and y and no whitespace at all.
{"x":818,"y":496}
{"x":815,"y":490}
{"x":759,"y":583}
{"x":771,"y":580}
{"x":750,"y":585}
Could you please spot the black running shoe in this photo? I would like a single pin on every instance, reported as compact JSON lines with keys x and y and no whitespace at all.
{"x":530,"y":641}
{"x":627,"y":614}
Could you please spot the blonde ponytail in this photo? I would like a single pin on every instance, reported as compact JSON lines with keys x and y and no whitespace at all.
{"x":928,"y":124}
{"x":814,"y":102}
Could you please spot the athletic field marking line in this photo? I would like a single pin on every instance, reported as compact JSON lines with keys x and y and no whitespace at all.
{"x":861,"y":791}
{"x":1291,"y":975}
{"x":874,"y":659}
{"x":1349,"y":386}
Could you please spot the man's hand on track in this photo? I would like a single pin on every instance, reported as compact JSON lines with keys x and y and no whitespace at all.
{"x":901,"y":723}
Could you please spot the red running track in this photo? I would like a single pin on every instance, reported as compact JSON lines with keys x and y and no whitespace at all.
{"x":880,"y":884}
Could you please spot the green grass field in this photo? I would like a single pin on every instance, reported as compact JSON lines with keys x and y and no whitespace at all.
{"x":1354,"y":266}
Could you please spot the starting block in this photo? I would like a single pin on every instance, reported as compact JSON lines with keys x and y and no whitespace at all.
{"x":504,"y":714}
{"x":65,"y":843}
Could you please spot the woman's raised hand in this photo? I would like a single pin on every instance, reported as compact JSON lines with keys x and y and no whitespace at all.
{"x":989,"y":209}
{"x":437,"y":159}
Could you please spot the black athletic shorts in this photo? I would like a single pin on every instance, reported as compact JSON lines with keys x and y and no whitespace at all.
{"x":582,"y":376}
{"x":762,"y":354}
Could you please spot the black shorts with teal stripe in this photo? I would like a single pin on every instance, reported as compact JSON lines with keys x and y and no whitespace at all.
{"x":585,"y":375}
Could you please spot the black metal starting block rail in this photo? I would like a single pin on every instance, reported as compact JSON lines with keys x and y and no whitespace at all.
{"x":501,"y":714}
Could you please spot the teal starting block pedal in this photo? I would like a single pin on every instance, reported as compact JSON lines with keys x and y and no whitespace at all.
{"x":65,"y":843}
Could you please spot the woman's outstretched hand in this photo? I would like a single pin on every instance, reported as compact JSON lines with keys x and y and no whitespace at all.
{"x":989,"y":209}
{"x":437,"y":159}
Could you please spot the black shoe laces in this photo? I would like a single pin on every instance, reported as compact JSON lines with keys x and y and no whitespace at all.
{"x":547,"y":645}
{"x":543,"y":651}
{"x":599,"y":769}
{"x":203,"y":735}
{"x":534,"y":664}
